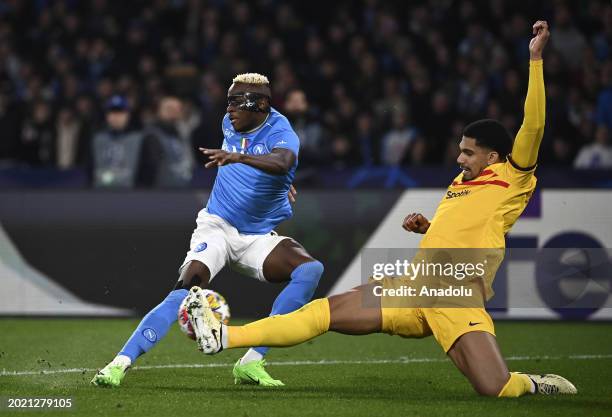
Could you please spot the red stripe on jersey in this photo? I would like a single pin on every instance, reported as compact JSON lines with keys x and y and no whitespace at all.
{"x":487,"y":172}
{"x":493,"y":182}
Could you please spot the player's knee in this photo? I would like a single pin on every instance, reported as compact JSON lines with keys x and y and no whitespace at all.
{"x":317,"y":268}
{"x":194,"y":274}
{"x":486,"y":391}
{"x":490,"y":388}
{"x":188,"y":284}
{"x":311,"y":271}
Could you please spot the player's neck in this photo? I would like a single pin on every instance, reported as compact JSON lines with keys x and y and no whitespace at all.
{"x":259,"y":125}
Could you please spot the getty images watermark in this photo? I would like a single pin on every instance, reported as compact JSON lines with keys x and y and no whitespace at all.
{"x":433,"y":271}
{"x":524,"y":278}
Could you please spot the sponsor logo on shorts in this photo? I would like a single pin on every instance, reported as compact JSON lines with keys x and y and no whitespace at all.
{"x":150,"y":335}
{"x":200,"y":247}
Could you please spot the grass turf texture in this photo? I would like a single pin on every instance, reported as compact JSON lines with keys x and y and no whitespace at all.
{"x":430,"y":388}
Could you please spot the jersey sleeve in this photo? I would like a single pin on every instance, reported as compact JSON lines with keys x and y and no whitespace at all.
{"x":527,"y":142}
{"x":523,"y":178}
{"x":285,"y":139}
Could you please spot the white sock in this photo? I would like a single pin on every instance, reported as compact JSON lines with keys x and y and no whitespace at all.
{"x":224,"y":336}
{"x":251,"y":356}
{"x":533,"y":387}
{"x":122,"y":360}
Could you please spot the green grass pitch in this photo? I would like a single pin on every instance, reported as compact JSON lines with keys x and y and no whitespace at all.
{"x":333,"y":375}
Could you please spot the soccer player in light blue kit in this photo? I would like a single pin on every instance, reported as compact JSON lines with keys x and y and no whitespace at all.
{"x":257,"y":164}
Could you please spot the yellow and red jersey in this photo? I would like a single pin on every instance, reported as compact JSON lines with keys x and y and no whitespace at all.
{"x":478,"y":213}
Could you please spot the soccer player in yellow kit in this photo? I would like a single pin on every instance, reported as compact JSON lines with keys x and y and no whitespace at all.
{"x":480,"y":206}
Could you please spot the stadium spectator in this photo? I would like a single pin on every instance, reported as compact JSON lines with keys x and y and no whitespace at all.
{"x":473,"y":94}
{"x":343,"y":151}
{"x":566,"y":38}
{"x":313,"y":149}
{"x":212,"y":101}
{"x":38,"y":136}
{"x":373,"y":57}
{"x":563,"y":151}
{"x":393,"y":100}
{"x":598,"y":154}
{"x":367,"y":140}
{"x":119,"y":154}
{"x":396,"y":143}
{"x":602,"y":41}
{"x":175,"y":156}
{"x":72,"y":140}
{"x":10,"y":121}
{"x":604,"y":101}
{"x":189,"y":121}
{"x":437,"y":127}
{"x":509,"y":97}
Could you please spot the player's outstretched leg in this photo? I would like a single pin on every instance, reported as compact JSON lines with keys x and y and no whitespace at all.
{"x":342,"y":313}
{"x":152,"y":328}
{"x":477,"y":356}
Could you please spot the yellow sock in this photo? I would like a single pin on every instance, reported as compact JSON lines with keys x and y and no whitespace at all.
{"x":283,"y":330}
{"x":517,"y":385}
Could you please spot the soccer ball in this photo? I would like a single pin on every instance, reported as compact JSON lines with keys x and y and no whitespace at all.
{"x":218,"y":305}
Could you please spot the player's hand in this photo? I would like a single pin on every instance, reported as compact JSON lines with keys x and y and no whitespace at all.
{"x":291,"y":194}
{"x":416,"y":222}
{"x":538,"y":42}
{"x":219,"y":157}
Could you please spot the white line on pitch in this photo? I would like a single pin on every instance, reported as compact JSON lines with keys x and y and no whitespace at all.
{"x":303,"y":363}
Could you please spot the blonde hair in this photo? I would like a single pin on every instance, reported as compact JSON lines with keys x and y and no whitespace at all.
{"x":251,"y":78}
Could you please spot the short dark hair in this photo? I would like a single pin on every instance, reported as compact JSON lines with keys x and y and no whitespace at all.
{"x":490,"y":134}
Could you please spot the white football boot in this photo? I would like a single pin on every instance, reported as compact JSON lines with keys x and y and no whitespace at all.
{"x":551,"y":384}
{"x":205,"y":325}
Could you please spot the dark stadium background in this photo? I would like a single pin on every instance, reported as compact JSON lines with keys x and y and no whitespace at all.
{"x":388,"y":85}
{"x":378,"y":92}
{"x":424,"y":67}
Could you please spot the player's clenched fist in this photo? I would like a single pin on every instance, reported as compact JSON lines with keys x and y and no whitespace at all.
{"x":416,"y":222}
{"x":538,"y":42}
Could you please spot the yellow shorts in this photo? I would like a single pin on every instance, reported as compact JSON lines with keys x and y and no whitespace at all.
{"x":446,"y":324}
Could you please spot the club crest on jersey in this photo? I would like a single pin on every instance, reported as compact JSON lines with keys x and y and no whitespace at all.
{"x":200,"y":247}
{"x":258,"y":149}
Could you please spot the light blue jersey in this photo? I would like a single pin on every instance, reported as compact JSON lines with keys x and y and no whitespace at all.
{"x":252,"y":201}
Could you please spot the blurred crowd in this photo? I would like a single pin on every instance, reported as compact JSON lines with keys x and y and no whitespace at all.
{"x":128,"y":90}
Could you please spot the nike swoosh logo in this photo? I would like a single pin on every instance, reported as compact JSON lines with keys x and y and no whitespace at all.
{"x":474,"y":324}
{"x":253,"y":379}
{"x":214,"y":332}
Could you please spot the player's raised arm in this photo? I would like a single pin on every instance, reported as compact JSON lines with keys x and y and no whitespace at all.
{"x":527,"y":142}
